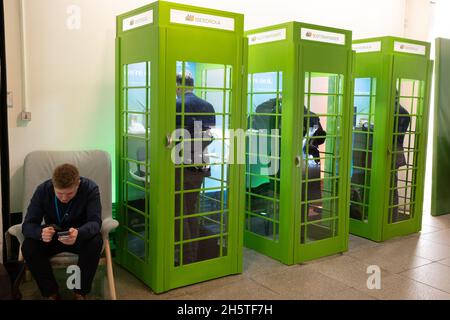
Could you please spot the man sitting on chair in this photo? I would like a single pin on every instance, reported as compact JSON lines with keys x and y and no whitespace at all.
{"x":67,"y":202}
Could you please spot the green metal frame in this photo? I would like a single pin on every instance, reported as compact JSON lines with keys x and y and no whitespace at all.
{"x":387,"y":199}
{"x":162,"y":44}
{"x":440,"y":201}
{"x":288,"y":231}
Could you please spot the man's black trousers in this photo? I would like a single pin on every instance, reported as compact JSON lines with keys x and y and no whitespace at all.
{"x":37,"y":256}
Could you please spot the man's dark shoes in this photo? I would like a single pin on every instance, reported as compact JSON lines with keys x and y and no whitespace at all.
{"x":78,"y":296}
{"x":54,"y":296}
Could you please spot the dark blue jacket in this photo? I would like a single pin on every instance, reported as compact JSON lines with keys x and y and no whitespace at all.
{"x":83,"y":212}
{"x":193,"y":104}
{"x":402,"y":123}
{"x":403,"y":120}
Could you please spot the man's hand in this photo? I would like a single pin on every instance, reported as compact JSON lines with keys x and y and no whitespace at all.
{"x":70,"y":240}
{"x":47,"y":234}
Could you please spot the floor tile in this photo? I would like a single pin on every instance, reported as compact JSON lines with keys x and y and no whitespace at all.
{"x":348,"y":294}
{"x":358,"y":243}
{"x":445,"y":262}
{"x":436,"y":275}
{"x":300,"y":282}
{"x":420,"y":246}
{"x":398,"y":287}
{"x":245,"y":289}
{"x":442,"y":237}
{"x":256,"y":263}
{"x":428,"y":229}
{"x":439,"y":221}
{"x":132,"y":288}
{"x":346,"y":269}
{"x":394,"y":256}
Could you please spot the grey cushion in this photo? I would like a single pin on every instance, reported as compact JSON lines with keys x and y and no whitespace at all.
{"x":95,"y":165}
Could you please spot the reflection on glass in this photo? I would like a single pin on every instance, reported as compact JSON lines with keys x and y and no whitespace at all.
{"x":259,"y":99}
{"x":136,"y":222}
{"x":135,"y":197}
{"x":363,"y":86}
{"x":212,"y":201}
{"x":265,"y":82}
{"x":407,"y":111}
{"x":218,"y":177}
{"x":323,"y":83}
{"x":262,"y":226}
{"x":214,"y":78}
{"x":203,"y":97}
{"x":136,"y":124}
{"x":136,"y":120}
{"x":137,"y":155}
{"x":136,"y":245}
{"x":362,"y":143}
{"x":263,"y":154}
{"x":137,"y":75}
{"x":322,"y":117}
{"x":216,"y":98}
{"x":137,"y":100}
{"x":321,"y":230}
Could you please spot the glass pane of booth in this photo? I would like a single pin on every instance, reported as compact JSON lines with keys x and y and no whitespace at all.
{"x":201,"y":153}
{"x":263,"y":154}
{"x":136,"y":245}
{"x":407,"y":113}
{"x":363,"y":131}
{"x":135,"y":114}
{"x":321,"y":138}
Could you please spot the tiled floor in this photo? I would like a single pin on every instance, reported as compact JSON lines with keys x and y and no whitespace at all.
{"x":412,"y":267}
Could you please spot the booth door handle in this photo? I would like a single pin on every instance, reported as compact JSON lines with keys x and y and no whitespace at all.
{"x":169,"y":141}
{"x":298,"y":161}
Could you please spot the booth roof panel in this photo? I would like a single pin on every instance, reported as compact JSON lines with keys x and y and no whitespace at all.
{"x":392,"y":45}
{"x":163,"y":14}
{"x":298,"y":31}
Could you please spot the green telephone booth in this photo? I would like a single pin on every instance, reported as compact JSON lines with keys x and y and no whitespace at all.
{"x":177,"y":67}
{"x":298,"y":141}
{"x":391,"y":102}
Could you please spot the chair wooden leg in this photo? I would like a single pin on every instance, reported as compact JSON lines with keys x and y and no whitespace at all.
{"x":20,"y":257}
{"x":27,"y":275}
{"x":109,"y":270}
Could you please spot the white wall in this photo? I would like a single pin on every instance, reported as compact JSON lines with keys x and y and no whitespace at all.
{"x":426,"y":20}
{"x":440,"y":25}
{"x":367,"y":18}
{"x":419,"y":15}
{"x":70,"y":77}
{"x":71,"y":72}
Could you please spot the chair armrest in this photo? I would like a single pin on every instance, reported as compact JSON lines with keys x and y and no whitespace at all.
{"x":108,"y":225}
{"x":16,"y":231}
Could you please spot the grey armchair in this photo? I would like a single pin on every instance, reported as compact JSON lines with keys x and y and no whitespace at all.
{"x":96,"y":165}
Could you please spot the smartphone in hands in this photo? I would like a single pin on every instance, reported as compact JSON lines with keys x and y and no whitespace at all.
{"x":63,"y":235}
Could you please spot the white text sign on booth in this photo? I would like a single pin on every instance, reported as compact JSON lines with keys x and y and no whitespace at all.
{"x":201,"y":20}
{"x":322,"y":36}
{"x":138,"y":20}
{"x":409,"y":48}
{"x":268,"y":36}
{"x":367,"y":47}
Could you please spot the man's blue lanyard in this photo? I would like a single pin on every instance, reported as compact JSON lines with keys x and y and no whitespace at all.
{"x":57,"y":211}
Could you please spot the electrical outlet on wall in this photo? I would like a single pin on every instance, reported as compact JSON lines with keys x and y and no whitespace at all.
{"x":9,"y":101}
{"x":25,"y":116}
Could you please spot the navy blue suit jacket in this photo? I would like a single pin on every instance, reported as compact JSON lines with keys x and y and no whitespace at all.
{"x":83,"y":212}
{"x":193,"y":104}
